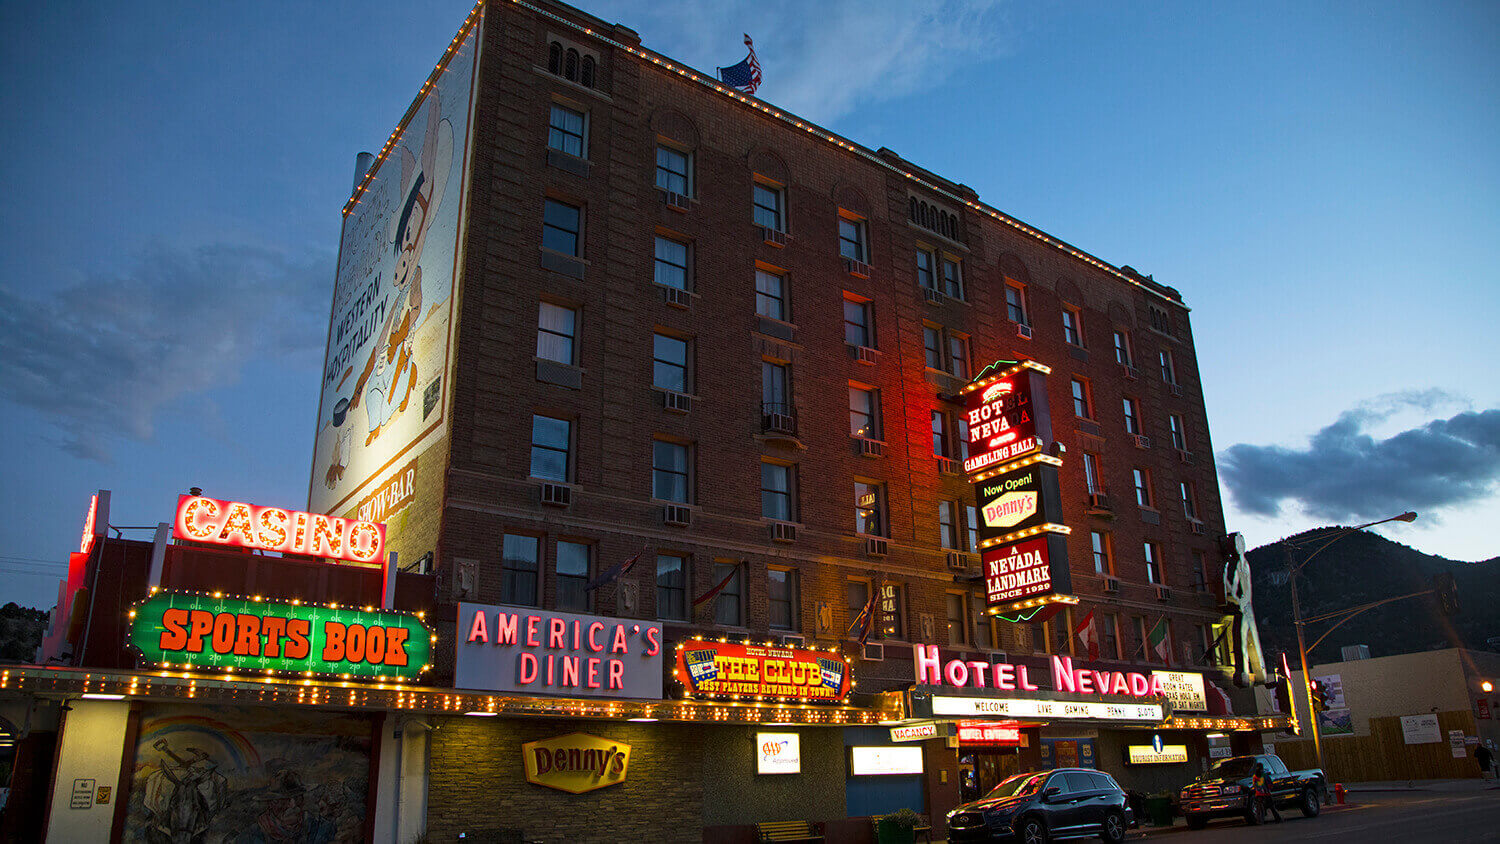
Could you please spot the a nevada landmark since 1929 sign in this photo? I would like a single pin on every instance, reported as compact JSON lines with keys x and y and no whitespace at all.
{"x":1026,"y":569}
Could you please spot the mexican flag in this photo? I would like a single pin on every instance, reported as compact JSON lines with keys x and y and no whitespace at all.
{"x":1088,"y":634}
{"x":1159,"y":643}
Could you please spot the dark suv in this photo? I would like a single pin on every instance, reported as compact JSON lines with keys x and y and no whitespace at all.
{"x":1033,"y":808}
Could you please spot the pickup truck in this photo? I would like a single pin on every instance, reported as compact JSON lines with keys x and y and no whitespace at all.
{"x":1225,"y":790}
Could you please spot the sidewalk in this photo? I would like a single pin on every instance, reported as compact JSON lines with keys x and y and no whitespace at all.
{"x":1423,"y":785}
{"x":1179,"y":824}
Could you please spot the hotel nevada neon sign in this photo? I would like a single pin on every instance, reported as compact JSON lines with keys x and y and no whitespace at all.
{"x":243,"y":525}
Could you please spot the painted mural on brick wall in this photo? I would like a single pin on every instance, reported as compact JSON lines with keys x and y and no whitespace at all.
{"x":384,"y":389}
{"x":247,"y":775}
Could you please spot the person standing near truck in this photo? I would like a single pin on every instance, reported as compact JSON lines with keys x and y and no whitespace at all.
{"x":1486,"y":760}
{"x":1262,"y":786}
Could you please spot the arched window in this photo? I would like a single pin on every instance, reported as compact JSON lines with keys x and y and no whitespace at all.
{"x":554,"y":58}
{"x":953,"y":227}
{"x":570,"y":69}
{"x":911,"y":209}
{"x":587,"y":77}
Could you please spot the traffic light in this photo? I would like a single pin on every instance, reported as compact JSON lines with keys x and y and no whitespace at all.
{"x":1281,"y":689}
{"x":1446,"y":592}
{"x":1319,"y":696}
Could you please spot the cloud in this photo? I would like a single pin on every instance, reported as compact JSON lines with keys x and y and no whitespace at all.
{"x":103,"y":357}
{"x":821,"y":60}
{"x":1345,"y":473}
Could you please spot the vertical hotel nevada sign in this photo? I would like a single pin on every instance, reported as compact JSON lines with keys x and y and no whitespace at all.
{"x":1022,"y":544}
{"x":384,"y":392}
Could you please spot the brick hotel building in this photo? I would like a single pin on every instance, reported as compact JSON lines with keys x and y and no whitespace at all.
{"x":691,"y":326}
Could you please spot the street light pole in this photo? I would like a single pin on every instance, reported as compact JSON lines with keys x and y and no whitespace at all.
{"x":1293,"y":568}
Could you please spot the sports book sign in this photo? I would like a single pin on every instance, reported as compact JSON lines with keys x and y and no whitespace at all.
{"x":1025,"y":569}
{"x":1018,"y":500}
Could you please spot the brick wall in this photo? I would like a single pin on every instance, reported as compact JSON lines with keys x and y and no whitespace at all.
{"x":616,"y":413}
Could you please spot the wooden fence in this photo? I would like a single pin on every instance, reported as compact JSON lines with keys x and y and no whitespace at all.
{"x":1384,"y":755}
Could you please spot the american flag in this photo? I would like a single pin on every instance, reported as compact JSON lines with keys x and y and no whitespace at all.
{"x":744,"y":76}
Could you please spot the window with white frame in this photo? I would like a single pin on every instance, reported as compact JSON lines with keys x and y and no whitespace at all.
{"x":926,"y":269}
{"x":953,"y":278}
{"x":1091,"y":476}
{"x":770,"y":294}
{"x":1179,"y":438}
{"x":1083,"y":403}
{"x":1122,"y":348}
{"x":768,"y":207}
{"x":857,"y":323}
{"x":671,"y":263}
{"x":555,"y":333}
{"x":958,"y":619}
{"x":518,"y":569}
{"x":1152,"y":553}
{"x":948,"y":524}
{"x":1189,"y":504}
{"x":565,"y":132}
{"x":1142,"y":487}
{"x":673,"y":170}
{"x":1072,"y":325}
{"x":864,"y":412}
{"x":852,"y":239}
{"x":1015,"y":303}
{"x":1104,"y":561}
{"x":958,"y":356}
{"x":670,"y":475}
{"x":669,"y":363}
{"x":551,"y":445}
{"x":1132,"y":421}
{"x":561,"y":227}
{"x":776,"y":491}
{"x":1168,"y":369}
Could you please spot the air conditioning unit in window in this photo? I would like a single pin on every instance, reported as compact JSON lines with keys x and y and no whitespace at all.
{"x":932,"y":297}
{"x":1163,"y":593}
{"x":862,"y":354}
{"x":675,"y":297}
{"x":1175,"y":389}
{"x":876,"y":546}
{"x":676,"y":402}
{"x":557,"y":495}
{"x":675,"y":201}
{"x":676,"y":514}
{"x":958,"y":561}
{"x":859,"y":269}
{"x":1023,"y":331}
{"x":783,"y":532}
{"x":779,"y":423}
{"x":1130,"y":372}
{"x":1142,"y":441}
{"x":1185,"y":456}
{"x":869,"y":447}
{"x":947,"y":466}
{"x":1196,"y":526}
{"x":1110,"y":583}
{"x":1099,"y":501}
{"x":793,"y":641}
{"x":773,"y":237}
{"x":873,"y":652}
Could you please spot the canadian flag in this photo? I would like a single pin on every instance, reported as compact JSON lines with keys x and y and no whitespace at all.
{"x":1088,"y":634}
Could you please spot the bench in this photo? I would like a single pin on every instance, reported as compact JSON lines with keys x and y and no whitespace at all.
{"x":805,"y":831}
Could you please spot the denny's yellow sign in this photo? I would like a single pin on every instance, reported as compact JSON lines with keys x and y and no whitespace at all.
{"x":576,"y":762}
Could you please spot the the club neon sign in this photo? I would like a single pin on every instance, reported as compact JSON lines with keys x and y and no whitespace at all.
{"x":243,"y":525}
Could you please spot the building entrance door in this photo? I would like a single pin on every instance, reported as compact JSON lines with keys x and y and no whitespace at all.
{"x":983,"y":768}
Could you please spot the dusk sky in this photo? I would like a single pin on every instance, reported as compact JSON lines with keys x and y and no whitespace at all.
{"x":1321,"y":181}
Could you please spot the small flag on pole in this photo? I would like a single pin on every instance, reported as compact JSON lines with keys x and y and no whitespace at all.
{"x":745,"y":76}
{"x":709,"y":595}
{"x":614,"y":572}
{"x":864,"y":622}
{"x":1159,"y":641}
{"x":1088,"y":634}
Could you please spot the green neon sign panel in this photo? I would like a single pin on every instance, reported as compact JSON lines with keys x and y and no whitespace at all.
{"x":186,"y":628}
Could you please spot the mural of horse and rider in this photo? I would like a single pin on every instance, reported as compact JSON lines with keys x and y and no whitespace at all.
{"x":247,"y":775}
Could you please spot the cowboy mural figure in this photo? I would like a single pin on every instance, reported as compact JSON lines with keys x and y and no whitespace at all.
{"x":390,"y":374}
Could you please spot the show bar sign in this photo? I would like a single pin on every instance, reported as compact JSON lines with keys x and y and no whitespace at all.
{"x":536,"y":652}
{"x":241,"y":634}
{"x":768,"y":672}
{"x":1026,"y":569}
{"x":243,"y":525}
{"x":1007,"y":416}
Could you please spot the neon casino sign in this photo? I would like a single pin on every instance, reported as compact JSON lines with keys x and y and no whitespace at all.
{"x":243,"y":525}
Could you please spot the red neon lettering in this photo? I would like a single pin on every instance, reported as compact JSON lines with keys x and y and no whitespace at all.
{"x":979,"y":668}
{"x":593,"y":672}
{"x":616,"y":674}
{"x":619,"y":646}
{"x":1022,"y":681}
{"x":653,"y":636}
{"x":577,"y":634}
{"x":1005,"y":676}
{"x":297,"y":631}
{"x":1062,"y":674}
{"x":197,"y":518}
{"x":928,"y":670}
{"x":505,"y":628}
{"x":570,"y":665}
{"x":531,"y":640}
{"x":275,"y":628}
{"x":528,"y":668}
{"x":1138,"y":685}
{"x":327,"y":531}
{"x":248,"y":641}
{"x":271,"y":530}
{"x":223,"y":636}
{"x":594,"y":629}
{"x":958,"y":673}
{"x":477,"y":631}
{"x":557,"y":633}
{"x":395,"y":637}
{"x":1085,"y":682}
{"x":551,"y":666}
